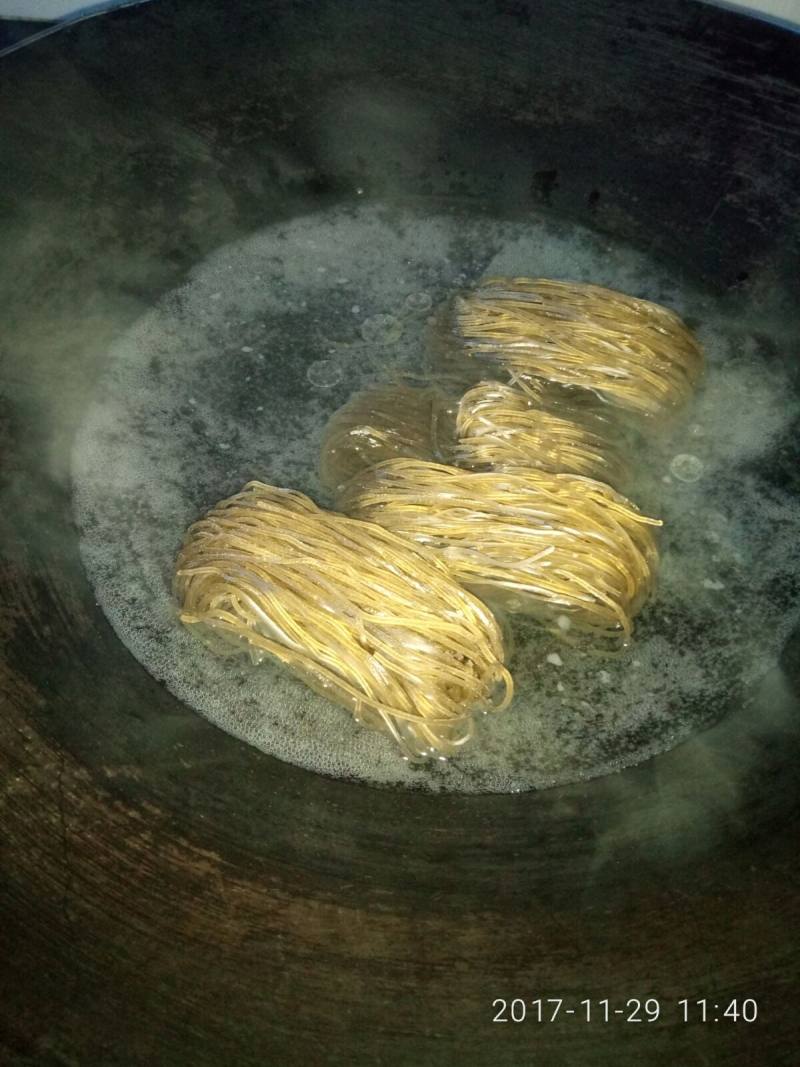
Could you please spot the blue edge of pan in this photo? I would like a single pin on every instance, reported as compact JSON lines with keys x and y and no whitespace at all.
{"x":13,"y":37}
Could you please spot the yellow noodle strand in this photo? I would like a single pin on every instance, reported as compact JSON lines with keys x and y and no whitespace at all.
{"x":380,"y":423}
{"x":500,"y":428}
{"x":631,"y":352}
{"x":530,"y":541}
{"x":366,"y":618}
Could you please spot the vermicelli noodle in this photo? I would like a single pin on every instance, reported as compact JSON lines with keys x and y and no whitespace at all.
{"x":633,"y":353}
{"x":501,"y":428}
{"x":556,"y":546}
{"x":380,"y":423}
{"x":370,"y":620}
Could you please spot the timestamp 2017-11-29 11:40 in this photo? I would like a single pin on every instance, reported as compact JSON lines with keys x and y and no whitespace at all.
{"x":632,"y":1010}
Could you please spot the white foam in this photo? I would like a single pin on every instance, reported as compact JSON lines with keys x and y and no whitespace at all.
{"x":212,"y":388}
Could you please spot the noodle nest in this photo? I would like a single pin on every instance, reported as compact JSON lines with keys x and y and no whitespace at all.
{"x":548,"y":545}
{"x":631,"y":352}
{"x":500,"y":428}
{"x":381,"y":423}
{"x":369,"y":620}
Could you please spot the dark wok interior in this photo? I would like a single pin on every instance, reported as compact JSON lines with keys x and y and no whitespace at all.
{"x":169,"y":895}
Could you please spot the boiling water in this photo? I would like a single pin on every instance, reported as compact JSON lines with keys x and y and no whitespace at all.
{"x":233,"y":377}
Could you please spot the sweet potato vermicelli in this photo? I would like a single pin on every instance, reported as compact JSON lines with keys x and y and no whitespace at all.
{"x":631,"y":352}
{"x":381,"y":423}
{"x":368,"y":619}
{"x":550,"y":545}
{"x":501,"y":428}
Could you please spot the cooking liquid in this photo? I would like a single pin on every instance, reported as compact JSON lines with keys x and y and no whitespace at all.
{"x":233,"y":377}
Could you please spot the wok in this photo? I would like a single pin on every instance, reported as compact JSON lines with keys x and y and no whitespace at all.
{"x":171,"y":895}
